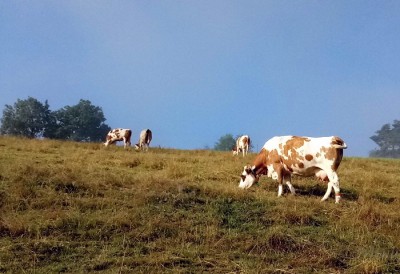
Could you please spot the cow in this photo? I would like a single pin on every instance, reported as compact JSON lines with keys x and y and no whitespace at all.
{"x":242,"y":145}
{"x":283,"y":156}
{"x":144,"y":140}
{"x":119,"y":134}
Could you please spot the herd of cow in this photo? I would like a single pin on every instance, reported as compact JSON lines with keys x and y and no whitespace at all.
{"x":279,"y":158}
{"x":123,"y":134}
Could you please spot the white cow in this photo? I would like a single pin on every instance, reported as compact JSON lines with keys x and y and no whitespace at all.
{"x":242,"y":145}
{"x":306,"y":156}
{"x":119,"y":134}
{"x":144,"y":140}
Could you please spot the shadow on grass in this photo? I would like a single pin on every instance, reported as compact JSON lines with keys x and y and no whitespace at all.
{"x":383,"y":199}
{"x":320,"y":189}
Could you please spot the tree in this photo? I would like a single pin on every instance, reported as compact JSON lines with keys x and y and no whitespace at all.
{"x":31,"y":118}
{"x":27,"y":118}
{"x":82,"y":122}
{"x":388,"y":140}
{"x":225,"y":143}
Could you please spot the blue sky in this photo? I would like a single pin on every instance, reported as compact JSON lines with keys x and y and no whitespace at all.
{"x":193,"y":71}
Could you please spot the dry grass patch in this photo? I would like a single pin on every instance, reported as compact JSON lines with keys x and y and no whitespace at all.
{"x":79,"y":207}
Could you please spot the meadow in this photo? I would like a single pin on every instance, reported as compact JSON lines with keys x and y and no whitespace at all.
{"x":69,"y":207}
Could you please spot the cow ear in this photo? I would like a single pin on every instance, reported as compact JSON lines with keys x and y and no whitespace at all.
{"x":243,"y":177}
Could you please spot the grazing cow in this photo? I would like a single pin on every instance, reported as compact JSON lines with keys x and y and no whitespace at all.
{"x":285,"y":155}
{"x":144,"y":139}
{"x":242,"y":145}
{"x":119,"y":134}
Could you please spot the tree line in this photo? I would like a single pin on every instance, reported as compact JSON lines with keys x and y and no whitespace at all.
{"x":33,"y":119}
{"x":388,"y":140}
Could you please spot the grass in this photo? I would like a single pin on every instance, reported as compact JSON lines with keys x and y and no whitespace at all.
{"x":79,"y":207}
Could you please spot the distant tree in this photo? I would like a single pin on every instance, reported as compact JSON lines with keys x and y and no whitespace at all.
{"x":225,"y":143}
{"x":28,"y":118}
{"x":388,"y":140}
{"x":82,"y":122}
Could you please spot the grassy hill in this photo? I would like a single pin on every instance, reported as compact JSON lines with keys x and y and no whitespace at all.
{"x":78,"y":207}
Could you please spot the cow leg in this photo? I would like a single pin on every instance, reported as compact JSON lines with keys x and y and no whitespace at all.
{"x":288,"y":179}
{"x":280,"y":190}
{"x":126,"y":142}
{"x":278,"y":170}
{"x":333,"y":183}
{"x":328,"y":192}
{"x":336,"y":188}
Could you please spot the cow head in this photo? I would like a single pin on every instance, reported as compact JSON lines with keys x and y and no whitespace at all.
{"x":137,"y":146}
{"x":248,"y":177}
{"x":234,"y":152}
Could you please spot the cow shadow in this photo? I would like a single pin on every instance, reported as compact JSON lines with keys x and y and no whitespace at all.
{"x":320,"y":189}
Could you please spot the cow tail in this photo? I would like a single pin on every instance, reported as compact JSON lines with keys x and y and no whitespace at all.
{"x":338,"y":143}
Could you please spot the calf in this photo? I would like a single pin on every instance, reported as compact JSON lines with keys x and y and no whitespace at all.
{"x":119,"y":134}
{"x":242,"y":145}
{"x":285,"y":155}
{"x":144,"y":140}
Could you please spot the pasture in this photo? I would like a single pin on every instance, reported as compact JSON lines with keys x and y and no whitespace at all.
{"x":79,"y":207}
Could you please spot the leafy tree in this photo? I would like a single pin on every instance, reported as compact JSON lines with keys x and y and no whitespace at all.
{"x":82,"y":122}
{"x":27,"y":118}
{"x":388,"y":140}
{"x":225,"y":143}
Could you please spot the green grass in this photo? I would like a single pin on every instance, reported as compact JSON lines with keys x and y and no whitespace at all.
{"x":79,"y":207}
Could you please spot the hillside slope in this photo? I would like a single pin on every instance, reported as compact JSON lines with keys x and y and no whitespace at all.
{"x":79,"y":207}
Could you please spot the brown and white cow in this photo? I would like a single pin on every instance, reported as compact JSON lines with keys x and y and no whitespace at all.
{"x":119,"y":134}
{"x":242,"y":145}
{"x":306,"y":156}
{"x":144,"y":140}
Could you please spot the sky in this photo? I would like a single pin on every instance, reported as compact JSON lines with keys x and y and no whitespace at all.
{"x":193,"y":71}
